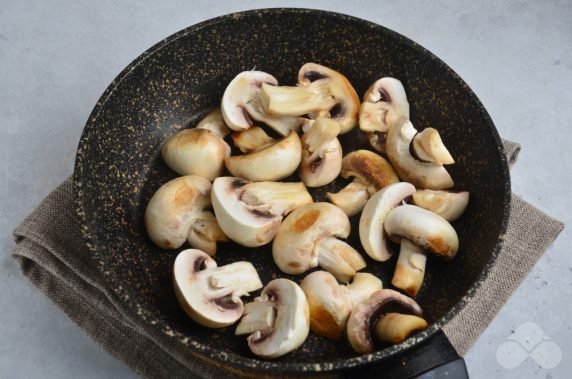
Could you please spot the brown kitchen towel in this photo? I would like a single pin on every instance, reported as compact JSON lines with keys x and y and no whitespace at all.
{"x":53,"y":256}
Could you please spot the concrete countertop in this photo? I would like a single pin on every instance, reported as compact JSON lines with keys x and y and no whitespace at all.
{"x":57,"y":57}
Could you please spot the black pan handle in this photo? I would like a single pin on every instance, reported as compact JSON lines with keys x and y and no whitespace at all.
{"x":434,"y":358}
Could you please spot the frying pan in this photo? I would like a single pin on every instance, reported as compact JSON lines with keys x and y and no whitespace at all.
{"x":174,"y":83}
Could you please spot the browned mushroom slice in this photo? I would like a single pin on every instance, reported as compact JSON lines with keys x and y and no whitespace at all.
{"x":210,"y":295}
{"x":428,"y":147}
{"x":252,"y":139}
{"x":449,"y":205}
{"x":410,"y":269}
{"x":396,"y":327}
{"x":365,"y":316}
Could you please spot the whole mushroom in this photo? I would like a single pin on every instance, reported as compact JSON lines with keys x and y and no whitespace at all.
{"x":249,"y":213}
{"x":278,"y":321}
{"x":210,"y":295}
{"x":308,"y":237}
{"x":178,"y":207}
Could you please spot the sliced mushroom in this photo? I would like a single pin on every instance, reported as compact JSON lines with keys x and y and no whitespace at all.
{"x":205,"y":233}
{"x":321,"y":153}
{"x":214,"y":122}
{"x":424,"y":228}
{"x":396,"y":327}
{"x":175,"y":208}
{"x":368,"y":170}
{"x":374,"y":215}
{"x":252,"y":139}
{"x":410,"y":269}
{"x":449,"y":205}
{"x":210,"y":295}
{"x":330,"y":304}
{"x":241,"y":104}
{"x":196,"y":151}
{"x":420,"y":174}
{"x":250,"y":213}
{"x":307,"y":238}
{"x":278,"y":320}
{"x":383,"y":104}
{"x":365,"y":316}
{"x":428,"y":147}
{"x":351,"y":199}
{"x":272,"y":163}
{"x":320,"y":91}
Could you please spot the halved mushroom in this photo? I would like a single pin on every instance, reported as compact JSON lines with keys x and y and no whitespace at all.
{"x":331,"y":303}
{"x":307,"y":238}
{"x":397,"y":327}
{"x":252,"y":139}
{"x":421,"y":174}
{"x":278,"y":321}
{"x":370,"y":172}
{"x":272,"y":163}
{"x":321,"y":154}
{"x":424,"y":228}
{"x":205,"y":233}
{"x":250,"y":213}
{"x":410,"y":269}
{"x":320,"y":91}
{"x":383,"y":104}
{"x":198,"y":151}
{"x":449,"y":205}
{"x":241,"y":103}
{"x":366,"y":315}
{"x":429,"y":147}
{"x":210,"y":295}
{"x":175,"y":208}
{"x":374,"y":215}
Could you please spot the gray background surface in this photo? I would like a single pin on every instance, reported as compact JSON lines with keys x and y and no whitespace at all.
{"x":57,"y":57}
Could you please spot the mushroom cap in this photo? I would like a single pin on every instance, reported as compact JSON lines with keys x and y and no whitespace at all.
{"x":295,"y":246}
{"x":365,"y":316}
{"x":383,"y":104}
{"x":373,"y":217}
{"x":210,"y":295}
{"x":241,"y":104}
{"x":424,"y":228}
{"x":323,"y":170}
{"x":362,"y":286}
{"x":173,"y":209}
{"x":330,"y":305}
{"x":196,"y":152}
{"x":237,"y":220}
{"x":369,"y":169}
{"x":449,"y":205}
{"x":347,"y":109}
{"x":214,"y":122}
{"x":420,"y":174}
{"x":292,"y":323}
{"x":272,"y":163}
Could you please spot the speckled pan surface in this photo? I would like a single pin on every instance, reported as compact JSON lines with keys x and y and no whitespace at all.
{"x":174,"y":83}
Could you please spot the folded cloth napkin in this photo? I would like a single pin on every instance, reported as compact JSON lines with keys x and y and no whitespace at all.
{"x":53,"y":256}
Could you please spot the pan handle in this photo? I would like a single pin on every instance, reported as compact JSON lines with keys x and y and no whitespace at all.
{"x":434,"y":358}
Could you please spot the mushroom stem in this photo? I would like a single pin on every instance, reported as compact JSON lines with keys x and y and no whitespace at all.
{"x":429,"y":147}
{"x":205,"y":233}
{"x":235,"y":279}
{"x":396,"y":327}
{"x":339,"y":258}
{"x":317,"y":139}
{"x":351,"y":199}
{"x":252,"y":139}
{"x":410,"y":269}
{"x":258,"y":315}
{"x":362,"y":286}
{"x":277,"y":198}
{"x":296,"y":101}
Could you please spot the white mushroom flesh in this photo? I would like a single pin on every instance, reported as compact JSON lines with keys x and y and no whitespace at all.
{"x":424,"y":228}
{"x":421,"y":174}
{"x":351,"y":199}
{"x":396,"y":327}
{"x":363,"y":285}
{"x":252,"y":139}
{"x":291,"y":323}
{"x":410,"y":269}
{"x":210,"y":295}
{"x":374,"y":215}
{"x":429,"y":147}
{"x":205,"y":233}
{"x":214,"y":122}
{"x":383,"y":104}
{"x":449,"y":205}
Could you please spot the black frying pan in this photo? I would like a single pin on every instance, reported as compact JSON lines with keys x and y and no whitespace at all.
{"x":177,"y":81}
